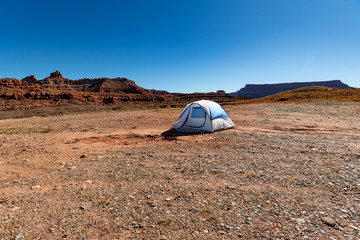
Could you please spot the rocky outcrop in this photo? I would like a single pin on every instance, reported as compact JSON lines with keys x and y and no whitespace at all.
{"x":104,"y":85}
{"x":262,"y":90}
{"x":30,"y":79}
{"x":12,"y":84}
{"x":56,"y":74}
{"x":56,"y":90}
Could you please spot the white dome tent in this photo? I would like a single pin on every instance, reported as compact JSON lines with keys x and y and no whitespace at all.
{"x":203,"y":116}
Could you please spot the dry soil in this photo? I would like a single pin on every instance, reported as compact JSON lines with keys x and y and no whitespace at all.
{"x":112,"y":175}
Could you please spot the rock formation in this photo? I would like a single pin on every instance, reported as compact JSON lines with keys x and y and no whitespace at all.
{"x":30,"y":79}
{"x":262,"y":90}
{"x":56,"y":90}
{"x":56,"y":74}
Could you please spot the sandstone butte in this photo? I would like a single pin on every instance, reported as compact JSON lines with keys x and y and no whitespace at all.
{"x":58,"y":90}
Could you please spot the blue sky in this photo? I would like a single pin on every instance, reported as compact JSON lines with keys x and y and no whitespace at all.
{"x":183,"y":45}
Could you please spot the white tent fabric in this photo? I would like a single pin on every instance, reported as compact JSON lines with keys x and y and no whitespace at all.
{"x":203,"y":116}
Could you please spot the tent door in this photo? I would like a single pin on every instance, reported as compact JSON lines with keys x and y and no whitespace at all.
{"x":197,"y":118}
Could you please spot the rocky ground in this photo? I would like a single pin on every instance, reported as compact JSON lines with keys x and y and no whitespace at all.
{"x":287,"y":171}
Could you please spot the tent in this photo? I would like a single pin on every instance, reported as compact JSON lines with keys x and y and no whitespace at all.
{"x":203,"y":116}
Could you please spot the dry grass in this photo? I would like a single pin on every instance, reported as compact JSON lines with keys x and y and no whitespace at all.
{"x":48,"y":129}
{"x":22,"y":130}
{"x":13,"y":130}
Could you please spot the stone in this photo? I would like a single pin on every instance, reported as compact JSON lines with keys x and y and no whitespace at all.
{"x":19,"y":236}
{"x":300,"y":220}
{"x":353,"y":227}
{"x":328,"y":221}
{"x":162,"y":237}
{"x":85,"y":206}
{"x":35,"y":187}
{"x":230,"y":187}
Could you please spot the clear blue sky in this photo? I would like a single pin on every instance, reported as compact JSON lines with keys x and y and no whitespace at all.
{"x":183,"y":45}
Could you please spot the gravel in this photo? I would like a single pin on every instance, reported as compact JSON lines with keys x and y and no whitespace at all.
{"x":288,"y":171}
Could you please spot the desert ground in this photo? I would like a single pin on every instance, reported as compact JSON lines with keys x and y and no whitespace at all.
{"x":280,"y":174}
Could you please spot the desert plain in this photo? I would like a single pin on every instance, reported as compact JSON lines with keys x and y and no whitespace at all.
{"x":287,"y":171}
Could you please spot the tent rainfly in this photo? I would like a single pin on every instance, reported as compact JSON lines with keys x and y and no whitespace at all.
{"x":203,"y":116}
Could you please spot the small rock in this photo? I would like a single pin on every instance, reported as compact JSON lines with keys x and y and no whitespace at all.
{"x":162,"y":237}
{"x":329,"y":221}
{"x":83,"y":156}
{"x":300,"y":220}
{"x":153,"y":204}
{"x":230,"y":187}
{"x":353,"y":227}
{"x":19,"y":236}
{"x":344,"y":210}
{"x":35,"y":187}
{"x":85,"y":206}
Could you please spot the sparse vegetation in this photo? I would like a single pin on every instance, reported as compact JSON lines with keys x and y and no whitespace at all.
{"x":13,"y":130}
{"x":48,"y":129}
{"x":23,"y":130}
